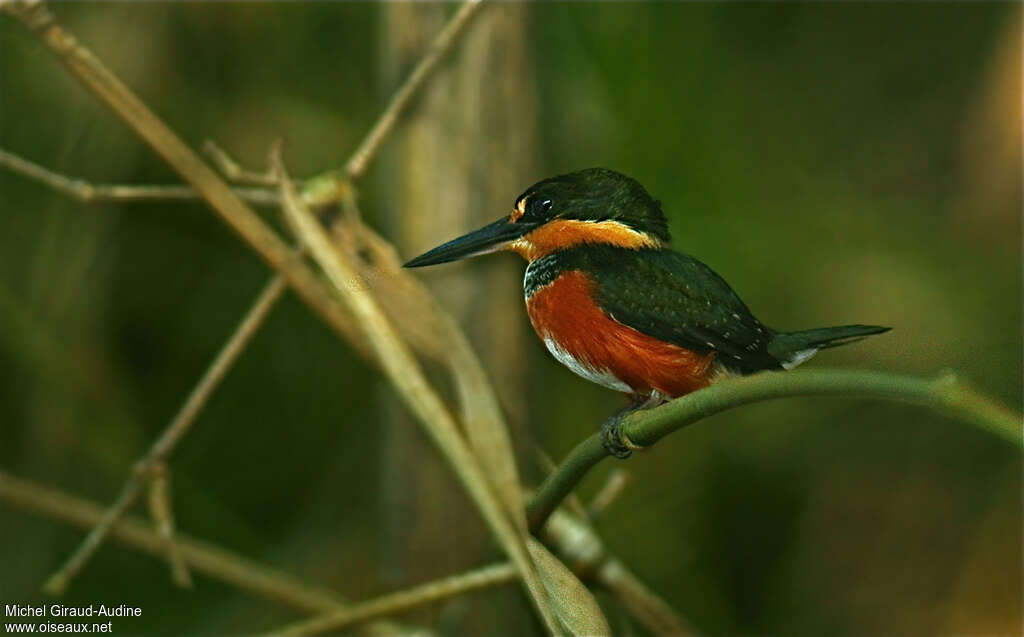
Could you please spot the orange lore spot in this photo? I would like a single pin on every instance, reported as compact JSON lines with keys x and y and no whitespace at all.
{"x":565,"y":311}
{"x":563,"y":233}
{"x":518,"y":211}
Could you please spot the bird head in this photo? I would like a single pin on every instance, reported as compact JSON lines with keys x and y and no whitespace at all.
{"x":592,"y":206}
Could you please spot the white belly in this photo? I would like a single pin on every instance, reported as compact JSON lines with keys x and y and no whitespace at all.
{"x":600,"y":376}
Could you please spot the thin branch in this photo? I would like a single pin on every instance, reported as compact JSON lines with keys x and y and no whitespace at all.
{"x":203,"y":557}
{"x":172,"y":435}
{"x":356,"y":165}
{"x":95,"y":193}
{"x":405,"y":374}
{"x":609,"y":493}
{"x":400,"y":601}
{"x":232,"y":170}
{"x":162,"y":512}
{"x":945,"y":395}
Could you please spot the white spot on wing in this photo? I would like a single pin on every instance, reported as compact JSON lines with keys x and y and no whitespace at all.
{"x":799,"y":357}
{"x":719,"y":373}
{"x":600,"y":376}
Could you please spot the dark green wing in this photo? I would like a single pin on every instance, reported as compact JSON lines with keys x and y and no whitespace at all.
{"x":676,"y":298}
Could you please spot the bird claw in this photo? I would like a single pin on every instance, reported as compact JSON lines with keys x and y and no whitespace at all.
{"x":612,"y":439}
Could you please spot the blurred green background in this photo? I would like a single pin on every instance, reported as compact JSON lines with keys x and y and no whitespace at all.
{"x":837,"y":163}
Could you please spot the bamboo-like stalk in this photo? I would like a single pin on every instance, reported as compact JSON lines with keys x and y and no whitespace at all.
{"x":454,"y":126}
{"x":413,"y":389}
{"x":945,"y":395}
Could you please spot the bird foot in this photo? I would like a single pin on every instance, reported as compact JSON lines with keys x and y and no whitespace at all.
{"x":612,"y":439}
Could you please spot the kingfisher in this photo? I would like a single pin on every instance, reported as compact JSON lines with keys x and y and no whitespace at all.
{"x":615,"y":304}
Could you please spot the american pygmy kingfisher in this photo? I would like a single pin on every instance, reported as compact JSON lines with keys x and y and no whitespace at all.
{"x":613,"y":303}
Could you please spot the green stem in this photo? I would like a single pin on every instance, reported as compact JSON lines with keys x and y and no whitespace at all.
{"x":946,"y":395}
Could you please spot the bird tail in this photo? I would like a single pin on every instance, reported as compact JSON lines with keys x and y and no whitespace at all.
{"x":793,"y":348}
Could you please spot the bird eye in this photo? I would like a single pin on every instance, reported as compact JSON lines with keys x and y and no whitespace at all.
{"x":539,"y":207}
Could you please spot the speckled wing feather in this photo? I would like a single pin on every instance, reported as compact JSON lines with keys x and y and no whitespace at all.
{"x":678,"y":299}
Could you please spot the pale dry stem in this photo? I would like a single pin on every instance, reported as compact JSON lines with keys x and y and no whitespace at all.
{"x":417,"y":394}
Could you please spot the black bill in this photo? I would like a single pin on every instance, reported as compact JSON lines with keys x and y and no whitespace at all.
{"x":490,"y":238}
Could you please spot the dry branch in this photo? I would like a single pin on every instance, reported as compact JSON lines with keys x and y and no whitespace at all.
{"x":401,"y":601}
{"x":171,"y":436}
{"x":87,"y":192}
{"x":356,"y":165}
{"x":611,"y":490}
{"x":414,"y":390}
{"x":429,"y":329}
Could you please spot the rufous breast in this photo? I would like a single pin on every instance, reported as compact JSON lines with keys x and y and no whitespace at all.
{"x":585,"y":339}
